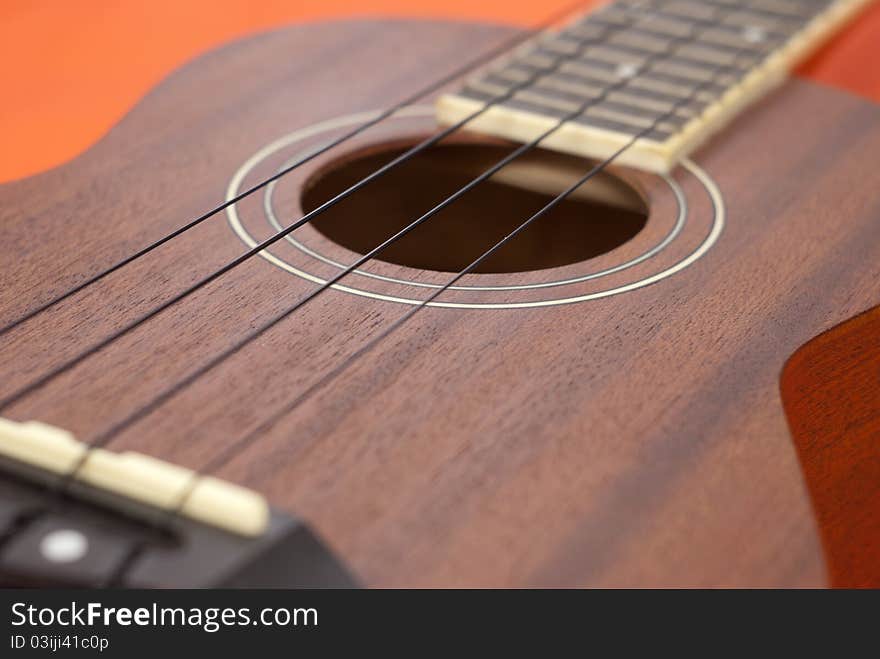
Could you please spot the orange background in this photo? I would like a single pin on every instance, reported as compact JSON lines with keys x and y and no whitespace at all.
{"x":71,"y":69}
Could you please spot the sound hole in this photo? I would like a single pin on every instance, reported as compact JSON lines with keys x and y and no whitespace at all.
{"x":602,"y":215}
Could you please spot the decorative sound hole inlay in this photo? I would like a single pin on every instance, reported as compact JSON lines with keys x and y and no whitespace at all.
{"x":678,"y":233}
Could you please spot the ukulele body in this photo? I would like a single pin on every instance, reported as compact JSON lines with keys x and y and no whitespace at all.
{"x":624,"y":429}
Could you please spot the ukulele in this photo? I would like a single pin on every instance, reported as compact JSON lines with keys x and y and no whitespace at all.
{"x":421,"y":303}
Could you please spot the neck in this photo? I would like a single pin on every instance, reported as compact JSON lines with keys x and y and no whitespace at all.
{"x":656,"y":77}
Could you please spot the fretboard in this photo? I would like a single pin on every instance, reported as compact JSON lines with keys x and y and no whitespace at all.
{"x":655,"y":76}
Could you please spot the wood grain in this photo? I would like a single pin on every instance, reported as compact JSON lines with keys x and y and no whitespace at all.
{"x":633,"y":440}
{"x":831,"y":393}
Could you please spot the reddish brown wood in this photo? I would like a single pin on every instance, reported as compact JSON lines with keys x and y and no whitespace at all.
{"x":831,"y":392}
{"x":632,"y":440}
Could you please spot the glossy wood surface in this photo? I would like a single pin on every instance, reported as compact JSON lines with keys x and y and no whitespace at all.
{"x":632,"y":440}
{"x":72,"y":85}
{"x":831,"y":393}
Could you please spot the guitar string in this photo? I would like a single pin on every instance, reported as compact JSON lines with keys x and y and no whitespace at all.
{"x":166,"y":521}
{"x":159,"y":399}
{"x":422,"y":146}
{"x":400,"y":321}
{"x":236,"y":447}
{"x":225,"y":456}
{"x":140,"y":545}
{"x":104,"y":437}
{"x":56,"y":491}
{"x":80,"y":357}
{"x":178,"y":386}
{"x":175,"y":512}
{"x":490,"y":55}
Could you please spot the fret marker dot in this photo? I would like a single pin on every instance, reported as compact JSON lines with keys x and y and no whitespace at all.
{"x":64,"y":546}
{"x":753,"y":34}
{"x":627,"y":70}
